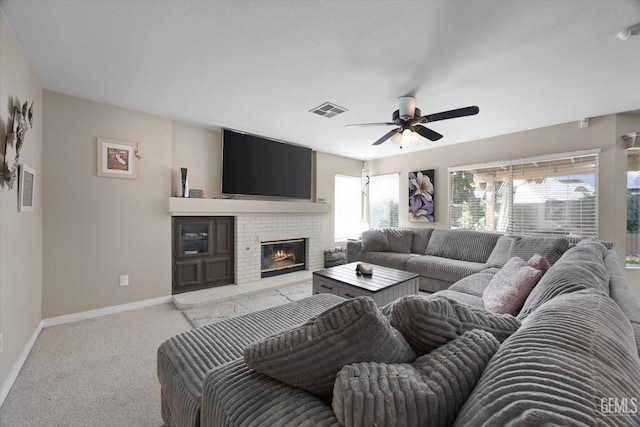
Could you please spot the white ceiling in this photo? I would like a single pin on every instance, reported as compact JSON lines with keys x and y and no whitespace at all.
{"x":259,"y":66}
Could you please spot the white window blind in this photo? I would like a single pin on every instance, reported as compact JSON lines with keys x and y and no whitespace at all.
{"x":383,"y":200}
{"x":553,"y":195}
{"x":633,"y":209}
{"x":347,"y":207}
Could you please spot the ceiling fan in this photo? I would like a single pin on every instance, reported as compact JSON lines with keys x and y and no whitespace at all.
{"x":409,"y":122}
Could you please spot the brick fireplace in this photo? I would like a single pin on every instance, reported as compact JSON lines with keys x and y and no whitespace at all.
{"x":252,"y":231}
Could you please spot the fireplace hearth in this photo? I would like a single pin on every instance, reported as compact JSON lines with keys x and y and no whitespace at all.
{"x":282,"y":256}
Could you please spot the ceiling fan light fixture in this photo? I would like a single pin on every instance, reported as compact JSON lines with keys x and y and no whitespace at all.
{"x":405,"y":138}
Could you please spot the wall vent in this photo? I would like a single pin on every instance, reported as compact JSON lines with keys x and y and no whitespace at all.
{"x":328,"y":110}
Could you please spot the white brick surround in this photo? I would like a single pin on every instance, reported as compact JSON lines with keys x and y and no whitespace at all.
{"x":252,"y":230}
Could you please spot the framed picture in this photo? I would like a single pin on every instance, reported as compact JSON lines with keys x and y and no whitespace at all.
{"x":26,"y":188}
{"x":116,"y":159}
{"x":421,"y":192}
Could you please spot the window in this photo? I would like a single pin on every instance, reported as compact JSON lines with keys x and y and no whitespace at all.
{"x":633,"y":209}
{"x":383,"y":200}
{"x":347,"y":207}
{"x":538,"y":196}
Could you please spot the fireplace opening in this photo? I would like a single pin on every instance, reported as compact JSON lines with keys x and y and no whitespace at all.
{"x":282,"y":256}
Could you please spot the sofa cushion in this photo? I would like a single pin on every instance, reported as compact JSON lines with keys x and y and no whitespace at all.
{"x":236,"y":395}
{"x":449,"y":270}
{"x":462,"y":297}
{"x":430,"y":391}
{"x":551,"y":248}
{"x":500,"y":253}
{"x":399,"y":239}
{"x":428,"y":322}
{"x":387,"y":259}
{"x":420,"y":240}
{"x":511,"y":286}
{"x":561,"y":367}
{"x":465,"y":245}
{"x":374,"y":241}
{"x":581,"y":267}
{"x":310,"y":356}
{"x":474,"y":284}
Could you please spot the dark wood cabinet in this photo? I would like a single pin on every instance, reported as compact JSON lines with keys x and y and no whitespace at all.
{"x":202,"y":252}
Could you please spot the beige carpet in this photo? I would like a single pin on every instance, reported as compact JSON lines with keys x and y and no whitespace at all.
{"x":218,"y":311}
{"x":99,"y":372}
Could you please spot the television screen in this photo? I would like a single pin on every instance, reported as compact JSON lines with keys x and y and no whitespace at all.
{"x":256,"y":166}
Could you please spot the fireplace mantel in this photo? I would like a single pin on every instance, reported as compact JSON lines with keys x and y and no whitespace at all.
{"x":181,"y":206}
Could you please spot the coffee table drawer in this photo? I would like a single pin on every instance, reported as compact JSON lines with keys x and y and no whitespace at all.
{"x":350,"y":292}
{"x":325,"y":286}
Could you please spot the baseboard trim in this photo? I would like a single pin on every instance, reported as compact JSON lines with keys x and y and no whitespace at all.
{"x":61,"y":320}
{"x":91,"y":314}
{"x":17,"y":367}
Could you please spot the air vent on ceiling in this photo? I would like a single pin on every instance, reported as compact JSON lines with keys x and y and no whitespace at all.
{"x":328,"y":110}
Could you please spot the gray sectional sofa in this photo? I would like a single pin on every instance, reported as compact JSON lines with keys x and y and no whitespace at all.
{"x":569,"y":356}
{"x":443,"y":256}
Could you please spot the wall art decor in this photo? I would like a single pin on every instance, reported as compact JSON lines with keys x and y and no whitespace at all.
{"x":421,"y":196}
{"x":117,"y":159}
{"x":20,"y":121}
{"x":26,"y":189}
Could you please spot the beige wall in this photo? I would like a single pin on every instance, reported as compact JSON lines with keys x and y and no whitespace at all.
{"x":199,"y":150}
{"x":97,"y":228}
{"x":327,"y":166}
{"x":603,"y":133}
{"x":20,"y":233}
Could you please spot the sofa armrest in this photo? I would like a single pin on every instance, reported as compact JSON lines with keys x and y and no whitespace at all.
{"x":354,"y":247}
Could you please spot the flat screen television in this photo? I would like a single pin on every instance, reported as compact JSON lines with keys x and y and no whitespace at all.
{"x":256,"y":166}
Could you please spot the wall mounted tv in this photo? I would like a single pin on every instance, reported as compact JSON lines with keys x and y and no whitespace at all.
{"x":256,"y":166}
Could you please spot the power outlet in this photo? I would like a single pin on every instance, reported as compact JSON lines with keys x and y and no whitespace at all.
{"x":124,"y":280}
{"x":0,"y":343}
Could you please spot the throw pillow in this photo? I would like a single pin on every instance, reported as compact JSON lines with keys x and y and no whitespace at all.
{"x":310,"y":356}
{"x":510,"y":287}
{"x":500,"y":254}
{"x":420,"y":239}
{"x":374,"y":241}
{"x":429,"y":322}
{"x":539,"y":262}
{"x":399,"y":239}
{"x":430,"y":391}
{"x":464,"y":245}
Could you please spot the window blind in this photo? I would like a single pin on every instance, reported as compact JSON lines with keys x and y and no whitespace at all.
{"x":347,"y":207}
{"x":541,"y":196}
{"x":384,"y":198}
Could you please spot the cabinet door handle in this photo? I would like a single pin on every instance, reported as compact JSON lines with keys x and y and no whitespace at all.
{"x":348,"y":296}
{"x":326,"y":287}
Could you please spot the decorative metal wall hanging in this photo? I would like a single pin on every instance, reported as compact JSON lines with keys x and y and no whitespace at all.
{"x":21,"y":121}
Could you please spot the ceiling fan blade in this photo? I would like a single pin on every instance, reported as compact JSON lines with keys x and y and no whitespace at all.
{"x":427,"y":133}
{"x":451,"y":114}
{"x":386,"y":136}
{"x":372,"y":124}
